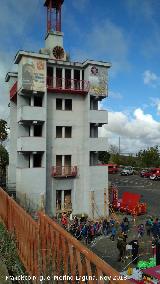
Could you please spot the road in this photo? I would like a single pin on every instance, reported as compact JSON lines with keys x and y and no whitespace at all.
{"x":150,"y":190}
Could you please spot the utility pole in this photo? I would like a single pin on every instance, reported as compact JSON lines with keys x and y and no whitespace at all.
{"x":119,"y":147}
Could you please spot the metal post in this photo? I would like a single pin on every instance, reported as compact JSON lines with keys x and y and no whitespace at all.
{"x":105,"y":201}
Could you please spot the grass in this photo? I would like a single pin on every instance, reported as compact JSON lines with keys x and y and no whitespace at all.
{"x":9,"y":260}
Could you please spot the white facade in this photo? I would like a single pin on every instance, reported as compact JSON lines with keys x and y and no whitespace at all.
{"x":54,"y":120}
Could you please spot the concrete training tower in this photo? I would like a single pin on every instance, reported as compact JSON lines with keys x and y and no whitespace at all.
{"x":54,"y":127}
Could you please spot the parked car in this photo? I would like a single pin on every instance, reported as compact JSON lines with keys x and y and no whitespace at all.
{"x":155,"y":174}
{"x":146,"y":173}
{"x":112,"y":168}
{"x":127,"y":171}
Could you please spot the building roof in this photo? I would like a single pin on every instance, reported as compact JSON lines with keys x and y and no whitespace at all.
{"x":21,"y":53}
{"x":55,"y":3}
{"x":11,"y":74}
{"x":87,"y":62}
{"x":98,"y":63}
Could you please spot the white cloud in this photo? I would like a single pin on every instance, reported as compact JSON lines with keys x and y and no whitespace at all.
{"x":115,"y":95}
{"x":156,"y":103}
{"x":16,"y":25}
{"x":108,"y":42}
{"x":150,"y":78}
{"x":136,"y":133}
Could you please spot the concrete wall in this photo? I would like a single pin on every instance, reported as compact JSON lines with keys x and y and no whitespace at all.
{"x":32,"y":183}
{"x":99,"y":185}
{"x":26,"y":113}
{"x":65,"y":146}
{"x":79,"y":147}
{"x":12,"y":144}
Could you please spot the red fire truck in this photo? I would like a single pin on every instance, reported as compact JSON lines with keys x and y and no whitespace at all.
{"x":112,"y":168}
{"x":129,"y":203}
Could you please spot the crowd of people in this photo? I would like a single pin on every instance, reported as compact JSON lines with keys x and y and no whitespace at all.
{"x":86,"y":230}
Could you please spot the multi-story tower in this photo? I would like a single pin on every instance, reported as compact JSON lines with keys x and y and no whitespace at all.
{"x":54,"y":123}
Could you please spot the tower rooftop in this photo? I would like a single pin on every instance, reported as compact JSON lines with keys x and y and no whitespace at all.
{"x":55,"y":3}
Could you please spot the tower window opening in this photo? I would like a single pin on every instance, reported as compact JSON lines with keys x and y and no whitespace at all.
{"x":58,"y":199}
{"x":38,"y":101}
{"x":67,"y":164}
{"x":59,"y":104}
{"x":59,"y":131}
{"x":93,"y":130}
{"x":82,"y":74}
{"x":68,"y":104}
{"x":37,"y":160}
{"x":94,"y":158}
{"x":59,"y":77}
{"x":77,"y":79}
{"x":38,"y":130}
{"x":68,"y":132}
{"x":68,"y":79}
{"x":50,"y":72}
{"x":67,"y":200}
{"x":59,"y":164}
{"x":93,"y":103}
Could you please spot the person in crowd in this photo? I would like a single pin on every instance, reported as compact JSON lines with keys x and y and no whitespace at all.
{"x":64,"y":221}
{"x":122,"y":225}
{"x":104,"y":227}
{"x":135,"y":249}
{"x":113,"y":233}
{"x":121,"y":246}
{"x":155,"y":228}
{"x":126,"y":224}
{"x":125,"y":236}
{"x":141,"y":230}
{"x":148,"y":226}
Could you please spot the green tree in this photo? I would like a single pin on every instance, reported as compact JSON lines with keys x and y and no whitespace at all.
{"x":149,"y":157}
{"x":4,"y":160}
{"x":104,"y":157}
{"x":114,"y":155}
{"x":3,"y":130}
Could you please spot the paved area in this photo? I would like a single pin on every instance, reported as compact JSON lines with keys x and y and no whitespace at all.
{"x":107,"y":250}
{"x":150,"y":192}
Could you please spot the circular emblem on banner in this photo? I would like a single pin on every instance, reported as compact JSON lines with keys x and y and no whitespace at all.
{"x":94,"y":70}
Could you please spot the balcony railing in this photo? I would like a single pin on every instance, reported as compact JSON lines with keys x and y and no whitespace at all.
{"x":67,"y":85}
{"x":13,"y":91}
{"x":65,"y":171}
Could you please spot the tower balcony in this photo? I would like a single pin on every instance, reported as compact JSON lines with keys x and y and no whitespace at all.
{"x":98,"y":116}
{"x":13,"y":92}
{"x":98,"y":144}
{"x":65,"y":171}
{"x":31,"y":144}
{"x":60,"y":85}
{"x":31,"y":113}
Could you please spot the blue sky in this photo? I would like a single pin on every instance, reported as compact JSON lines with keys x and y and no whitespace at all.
{"x":123,"y":32}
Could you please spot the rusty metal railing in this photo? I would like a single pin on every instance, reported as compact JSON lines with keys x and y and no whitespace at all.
{"x":66,"y":171}
{"x":47,"y":250}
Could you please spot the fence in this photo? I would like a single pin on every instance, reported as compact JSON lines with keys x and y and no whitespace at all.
{"x":47,"y":249}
